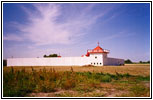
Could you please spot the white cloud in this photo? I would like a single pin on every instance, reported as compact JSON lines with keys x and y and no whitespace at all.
{"x":43,"y":27}
{"x":119,"y":35}
{"x":13,"y":37}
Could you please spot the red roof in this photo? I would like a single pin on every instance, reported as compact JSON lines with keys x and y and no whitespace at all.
{"x":98,"y":49}
{"x":87,"y":54}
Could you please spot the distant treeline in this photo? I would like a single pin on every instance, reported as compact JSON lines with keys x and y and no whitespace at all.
{"x":128,"y":61}
{"x":51,"y":55}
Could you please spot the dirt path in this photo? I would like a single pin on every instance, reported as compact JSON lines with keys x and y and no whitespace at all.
{"x":95,"y":93}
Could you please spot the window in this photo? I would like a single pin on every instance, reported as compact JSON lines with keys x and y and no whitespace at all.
{"x":100,"y":63}
{"x":97,"y":63}
{"x":95,"y":57}
{"x":91,"y":63}
{"x":94,"y":63}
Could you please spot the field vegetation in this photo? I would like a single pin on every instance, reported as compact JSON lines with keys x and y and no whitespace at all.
{"x":85,"y":81}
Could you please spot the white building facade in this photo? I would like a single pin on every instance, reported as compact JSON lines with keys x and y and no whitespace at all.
{"x":95,"y":57}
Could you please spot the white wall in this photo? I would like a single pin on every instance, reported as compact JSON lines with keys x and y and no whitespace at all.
{"x":104,"y":59}
{"x":113,"y":61}
{"x":63,"y":61}
{"x":96,"y":59}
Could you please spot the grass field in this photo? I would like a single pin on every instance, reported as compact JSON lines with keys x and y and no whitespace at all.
{"x":131,"y":80}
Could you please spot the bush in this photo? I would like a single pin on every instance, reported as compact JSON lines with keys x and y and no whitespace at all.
{"x":46,"y":86}
{"x":126,"y":75}
{"x":142,"y":78}
{"x":69,"y":83}
{"x":106,"y":78}
{"x":139,"y":90}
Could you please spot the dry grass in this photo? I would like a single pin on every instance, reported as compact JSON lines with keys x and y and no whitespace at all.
{"x":132,"y":69}
{"x":132,"y":80}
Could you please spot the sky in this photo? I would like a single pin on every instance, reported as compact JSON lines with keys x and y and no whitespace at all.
{"x":69,"y":29}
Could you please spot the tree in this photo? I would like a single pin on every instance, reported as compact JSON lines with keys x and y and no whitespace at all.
{"x":128,"y":61}
{"x":144,"y":62}
{"x":140,"y":62}
{"x":51,"y":55}
{"x":45,"y":56}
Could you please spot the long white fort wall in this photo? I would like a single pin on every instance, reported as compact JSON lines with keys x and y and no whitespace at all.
{"x":63,"y":61}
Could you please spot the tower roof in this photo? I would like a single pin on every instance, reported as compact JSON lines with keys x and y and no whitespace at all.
{"x":98,"y":48}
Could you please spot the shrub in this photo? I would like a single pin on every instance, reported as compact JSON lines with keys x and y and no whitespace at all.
{"x":126,"y":75}
{"x":46,"y":86}
{"x":69,"y":83}
{"x":106,"y":78}
{"x":143,"y":78}
{"x":139,"y":90}
{"x":88,"y":74}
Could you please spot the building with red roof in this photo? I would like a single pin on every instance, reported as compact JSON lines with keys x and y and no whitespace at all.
{"x":101,"y":58}
{"x":96,"y":57}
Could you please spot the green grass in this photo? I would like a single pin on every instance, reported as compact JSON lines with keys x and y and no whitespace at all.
{"x":142,"y":78}
{"x":20,"y":83}
{"x":137,"y":90}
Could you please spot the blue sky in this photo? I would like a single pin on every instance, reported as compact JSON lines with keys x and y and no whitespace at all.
{"x":69,"y":29}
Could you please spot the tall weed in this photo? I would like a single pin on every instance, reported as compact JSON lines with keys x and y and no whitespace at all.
{"x":19,"y":83}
